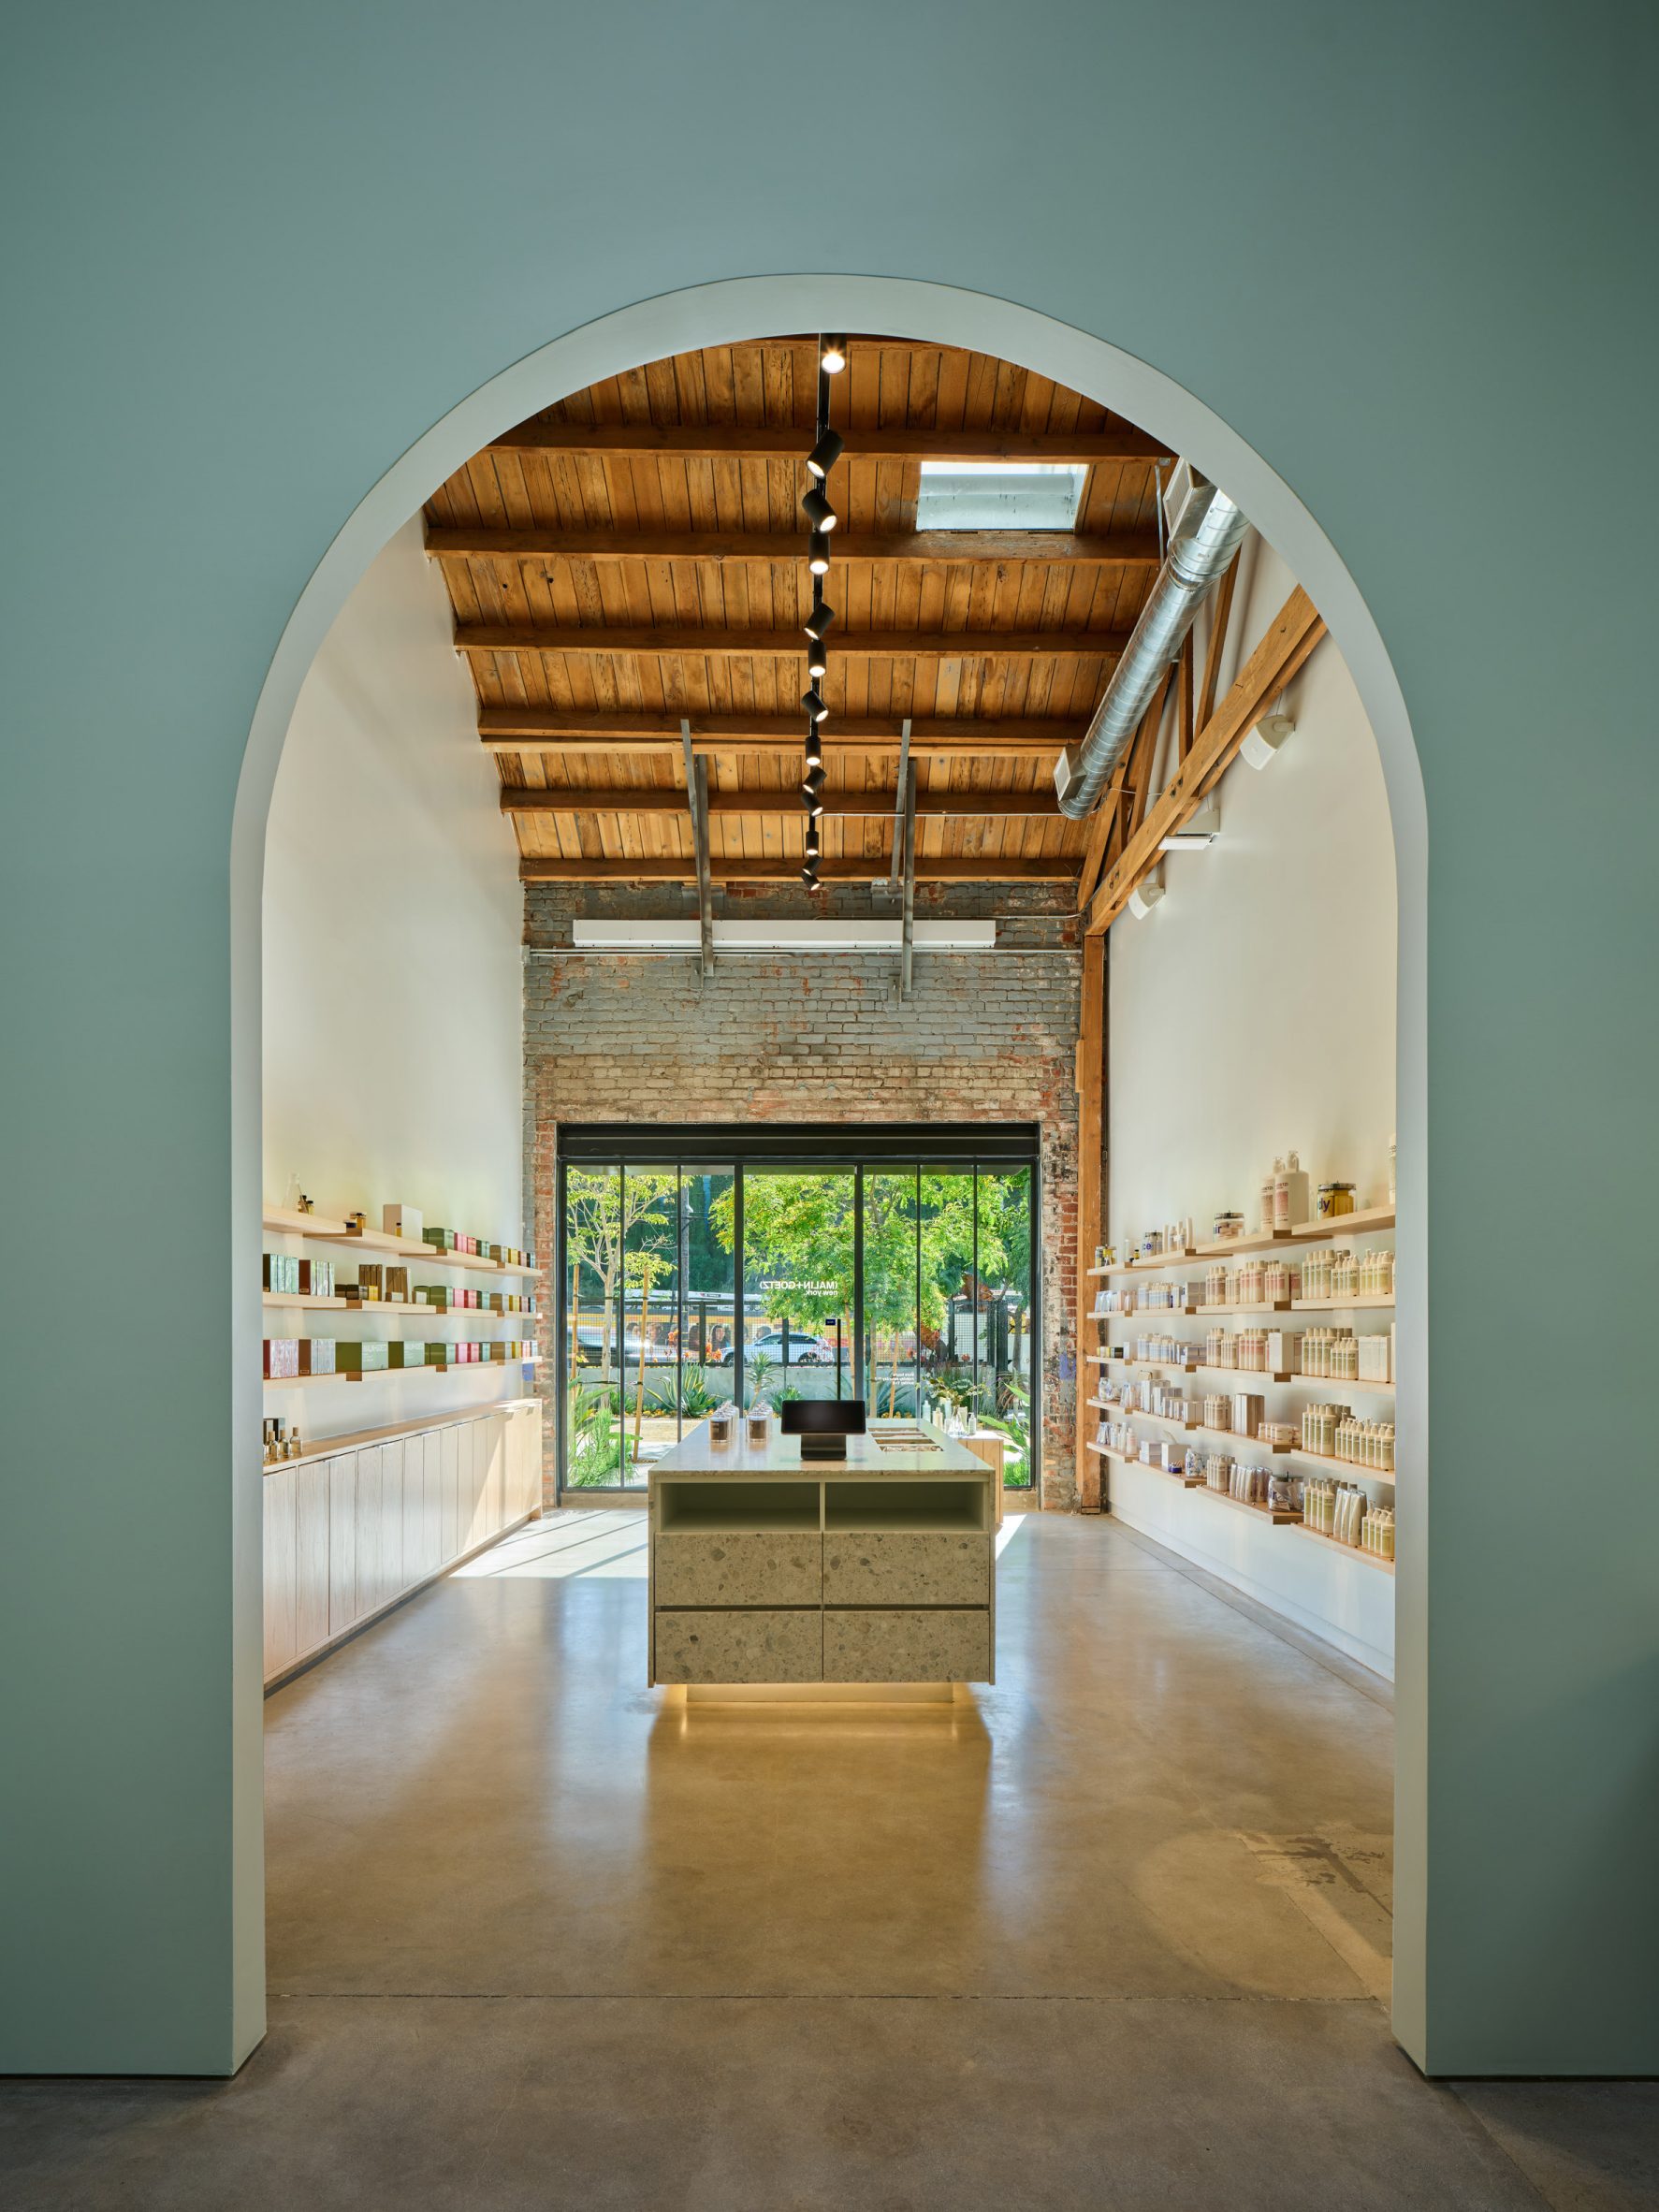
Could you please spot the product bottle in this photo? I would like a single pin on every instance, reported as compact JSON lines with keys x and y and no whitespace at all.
{"x":1270,"y":1197}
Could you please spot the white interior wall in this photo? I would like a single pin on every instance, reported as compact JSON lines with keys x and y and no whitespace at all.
{"x":393,"y":977}
{"x":1252,"y":1011}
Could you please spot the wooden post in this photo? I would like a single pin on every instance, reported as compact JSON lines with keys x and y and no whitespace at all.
{"x":1091,"y":1198}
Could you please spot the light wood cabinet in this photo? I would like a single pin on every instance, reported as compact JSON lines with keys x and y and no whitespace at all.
{"x":350,"y":1532}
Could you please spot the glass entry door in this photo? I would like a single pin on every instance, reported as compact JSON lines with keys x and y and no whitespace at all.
{"x":691,"y":1276}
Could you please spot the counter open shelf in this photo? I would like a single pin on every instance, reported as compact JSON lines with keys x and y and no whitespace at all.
{"x":908,"y":1508}
{"x":726,"y":1508}
{"x":328,"y":1448}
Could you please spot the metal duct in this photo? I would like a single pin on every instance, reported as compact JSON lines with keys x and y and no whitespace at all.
{"x":1206,"y":530}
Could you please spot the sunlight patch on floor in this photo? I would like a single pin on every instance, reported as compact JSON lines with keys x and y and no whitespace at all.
{"x":563,"y":1545}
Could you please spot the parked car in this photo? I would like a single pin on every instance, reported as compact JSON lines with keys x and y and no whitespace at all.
{"x":635,"y":1351}
{"x":804,"y":1350}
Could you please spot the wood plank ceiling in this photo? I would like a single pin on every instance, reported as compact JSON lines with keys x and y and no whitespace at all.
{"x":637,"y":554}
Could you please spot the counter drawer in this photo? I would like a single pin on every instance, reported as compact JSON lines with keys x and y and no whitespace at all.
{"x":900,"y":1645}
{"x":737,"y":1647}
{"x":905,"y":1567}
{"x":738,"y":1568}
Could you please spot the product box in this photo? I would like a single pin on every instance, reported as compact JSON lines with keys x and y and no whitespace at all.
{"x":438,"y":1355}
{"x":316,"y":1278}
{"x":396,"y":1284}
{"x":1284,"y":1351}
{"x":282,"y":1358}
{"x":436,"y":1295}
{"x":441,"y":1239}
{"x":407,"y":1352}
{"x":369,"y":1357}
{"x":402,"y":1221}
{"x":281,"y":1274}
{"x":316,"y":1354}
{"x":1247,"y":1410}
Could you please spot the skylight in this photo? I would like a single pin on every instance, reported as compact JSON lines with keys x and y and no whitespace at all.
{"x":999,"y":495}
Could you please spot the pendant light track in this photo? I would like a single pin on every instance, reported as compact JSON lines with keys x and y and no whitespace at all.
{"x":815,"y":505}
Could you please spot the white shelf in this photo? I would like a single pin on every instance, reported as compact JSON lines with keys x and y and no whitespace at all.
{"x":1370,"y":1559}
{"x":360,"y":1374}
{"x":1319,"y":1459}
{"x":1365,"y":1221}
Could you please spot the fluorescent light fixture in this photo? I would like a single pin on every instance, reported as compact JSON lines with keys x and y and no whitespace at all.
{"x":1146,"y":894}
{"x":1266,"y":738}
{"x":999,"y":495}
{"x":1196,"y":832}
{"x":683,"y":936}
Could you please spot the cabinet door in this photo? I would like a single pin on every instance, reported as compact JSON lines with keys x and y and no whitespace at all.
{"x":370,"y":1531}
{"x":437,"y":1518}
{"x":449,"y":1450}
{"x":494,"y":1431}
{"x":279,"y":1571}
{"x":311,"y":1555}
{"x":412,"y":1484}
{"x":905,"y":1567}
{"x":902,"y":1646}
{"x":343,"y":1542}
{"x":474,"y":1476}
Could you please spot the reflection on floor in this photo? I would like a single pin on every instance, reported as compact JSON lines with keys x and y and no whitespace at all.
{"x":1114,"y":1935}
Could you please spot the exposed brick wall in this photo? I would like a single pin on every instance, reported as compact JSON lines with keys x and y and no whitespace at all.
{"x":792,"y":1037}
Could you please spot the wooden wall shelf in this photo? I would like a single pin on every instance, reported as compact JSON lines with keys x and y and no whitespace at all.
{"x":288,"y":1222}
{"x":1363,"y":1222}
{"x":1320,"y":1459}
{"x":358,"y":1374}
{"x":323,"y":1228}
{"x":1370,"y":1559}
{"x":298,"y":1302}
{"x":396,"y":1305}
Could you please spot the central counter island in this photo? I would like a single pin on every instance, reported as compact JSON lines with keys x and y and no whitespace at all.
{"x":768,"y":1570}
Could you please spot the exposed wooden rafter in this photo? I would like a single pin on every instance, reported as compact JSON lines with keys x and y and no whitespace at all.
{"x":880,"y":803}
{"x":786,"y":868}
{"x":540,"y":729}
{"x":1120,"y":549}
{"x":1291,"y":636}
{"x":692,"y":441}
{"x":592,"y":639}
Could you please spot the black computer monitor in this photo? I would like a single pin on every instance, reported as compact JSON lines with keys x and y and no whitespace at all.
{"x":823,"y":1424}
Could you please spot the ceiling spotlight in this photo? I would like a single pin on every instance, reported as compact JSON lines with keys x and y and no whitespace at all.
{"x":813,"y":781}
{"x":819,"y":621}
{"x":813,"y":802}
{"x":810,"y":877}
{"x":824,"y":455}
{"x":816,"y":662}
{"x":814,"y":750}
{"x":833,"y":357}
{"x":813,"y":702}
{"x":812,"y":840}
{"x":818,"y":511}
{"x":818,"y":553}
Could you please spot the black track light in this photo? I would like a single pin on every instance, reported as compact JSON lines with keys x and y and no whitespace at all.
{"x":814,"y":782}
{"x":824,"y":455}
{"x":812,"y":842}
{"x":818,"y":553}
{"x":816,"y":662}
{"x":814,"y":704}
{"x":818,"y":511}
{"x":814,"y":748}
{"x":815,"y":804}
{"x":819,"y":621}
{"x":810,"y":877}
{"x":831,"y":357}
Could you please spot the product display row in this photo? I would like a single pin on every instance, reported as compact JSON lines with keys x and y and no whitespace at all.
{"x":1340,"y":1511}
{"x":1287,"y":1206}
{"x":1323,"y":1278}
{"x":294,"y":1358}
{"x":402,"y":1229}
{"x":299,"y":1278}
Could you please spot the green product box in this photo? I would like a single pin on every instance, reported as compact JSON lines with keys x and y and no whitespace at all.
{"x":436,"y":1295}
{"x":408,"y":1352}
{"x":438,"y":1355}
{"x":441,"y":1239}
{"x":361,"y":1359}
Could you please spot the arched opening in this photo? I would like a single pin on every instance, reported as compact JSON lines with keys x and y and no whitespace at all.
{"x":727,"y":314}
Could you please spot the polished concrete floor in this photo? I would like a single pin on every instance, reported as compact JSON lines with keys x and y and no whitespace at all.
{"x":1114,"y":1935}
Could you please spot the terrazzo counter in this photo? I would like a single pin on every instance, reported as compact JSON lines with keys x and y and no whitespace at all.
{"x":876,"y":1570}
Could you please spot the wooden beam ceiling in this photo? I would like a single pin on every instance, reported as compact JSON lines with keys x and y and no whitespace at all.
{"x":670,"y":799}
{"x":532,"y":730}
{"x":727,"y":645}
{"x":762,"y":442}
{"x":1128,"y":549}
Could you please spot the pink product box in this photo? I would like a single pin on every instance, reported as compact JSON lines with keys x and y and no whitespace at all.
{"x":282,"y":1358}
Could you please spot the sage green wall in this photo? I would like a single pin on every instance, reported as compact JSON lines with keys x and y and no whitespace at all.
{"x":1404,"y":252}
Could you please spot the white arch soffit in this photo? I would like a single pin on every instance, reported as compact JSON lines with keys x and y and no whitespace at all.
{"x":739,"y":311}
